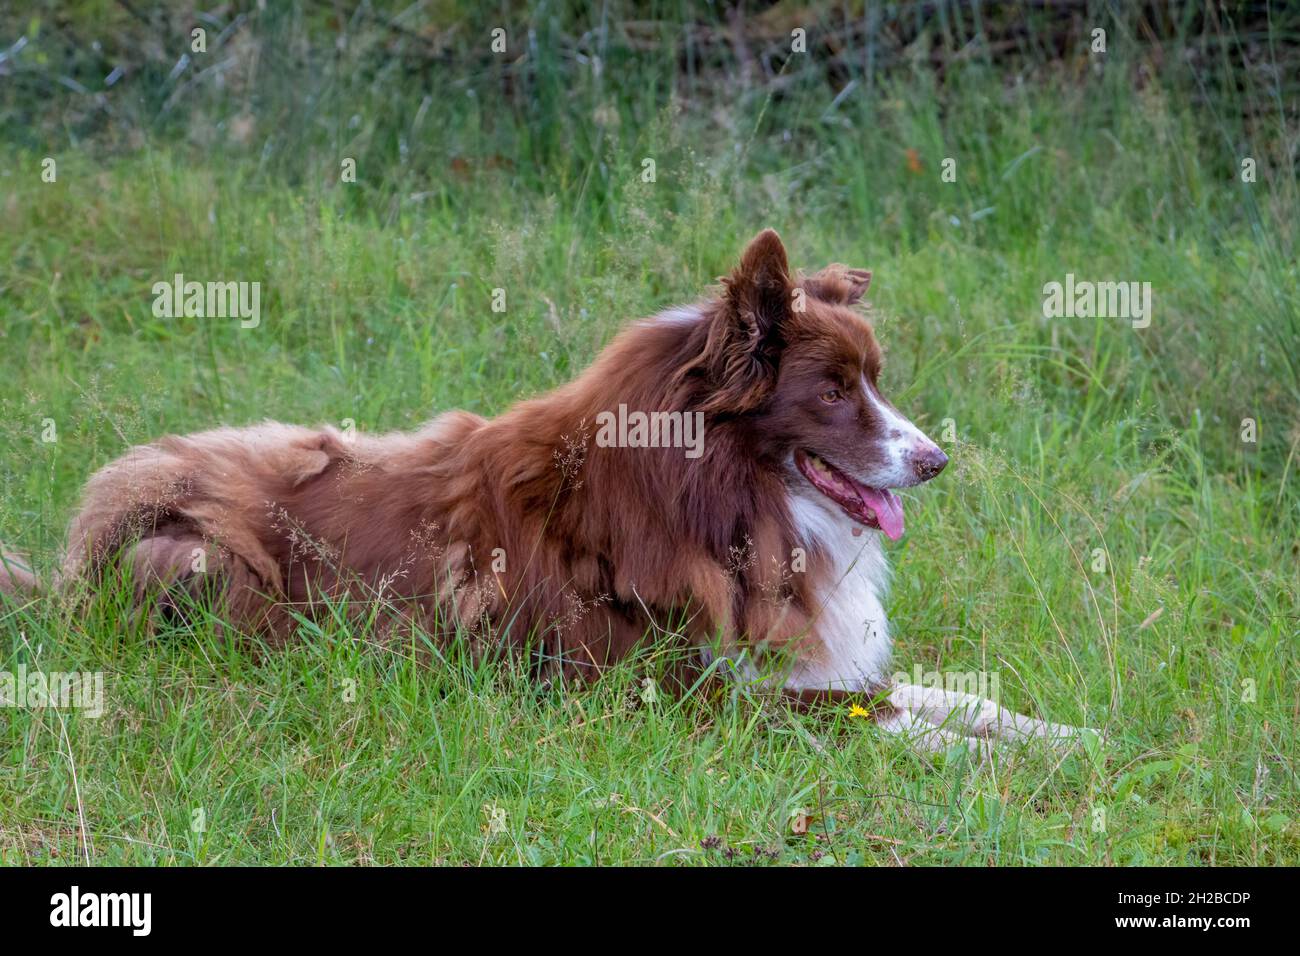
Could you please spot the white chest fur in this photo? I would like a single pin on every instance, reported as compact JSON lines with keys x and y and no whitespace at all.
{"x":852,"y":649}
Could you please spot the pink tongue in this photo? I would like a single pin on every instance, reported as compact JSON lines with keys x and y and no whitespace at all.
{"x":888,"y":508}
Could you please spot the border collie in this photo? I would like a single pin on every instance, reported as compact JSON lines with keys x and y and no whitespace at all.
{"x":738,"y":507}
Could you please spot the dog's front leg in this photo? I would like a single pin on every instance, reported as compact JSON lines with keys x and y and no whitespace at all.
{"x":920,"y":733}
{"x":975,"y":716}
{"x":923,"y":735}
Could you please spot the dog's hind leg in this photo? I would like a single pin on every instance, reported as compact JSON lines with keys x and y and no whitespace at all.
{"x":16,"y":575}
{"x":975,"y":716}
{"x":190,"y":576}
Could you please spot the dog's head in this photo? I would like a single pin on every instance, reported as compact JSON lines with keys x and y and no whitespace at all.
{"x":791,"y":355}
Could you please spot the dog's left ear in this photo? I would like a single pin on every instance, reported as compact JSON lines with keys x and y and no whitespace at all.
{"x":760,"y":290}
{"x":745,"y":340}
{"x":838,"y":284}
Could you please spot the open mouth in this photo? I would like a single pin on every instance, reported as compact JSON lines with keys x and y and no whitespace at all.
{"x":872,"y":507}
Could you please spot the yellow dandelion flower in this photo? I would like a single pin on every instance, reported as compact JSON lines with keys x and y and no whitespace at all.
{"x":859,"y":711}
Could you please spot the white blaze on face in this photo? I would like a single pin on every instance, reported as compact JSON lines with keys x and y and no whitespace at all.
{"x":903,"y":441}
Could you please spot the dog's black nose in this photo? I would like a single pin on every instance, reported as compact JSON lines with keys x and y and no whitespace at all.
{"x":928,"y":462}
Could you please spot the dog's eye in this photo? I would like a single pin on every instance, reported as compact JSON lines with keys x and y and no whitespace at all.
{"x":831,"y":396}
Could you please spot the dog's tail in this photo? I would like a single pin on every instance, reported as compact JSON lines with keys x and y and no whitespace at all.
{"x":16,"y":576}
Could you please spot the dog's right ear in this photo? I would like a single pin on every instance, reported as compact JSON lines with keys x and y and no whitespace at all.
{"x":838,"y":284}
{"x":745,"y":340}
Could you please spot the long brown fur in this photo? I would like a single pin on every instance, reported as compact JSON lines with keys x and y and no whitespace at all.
{"x":519,"y":530}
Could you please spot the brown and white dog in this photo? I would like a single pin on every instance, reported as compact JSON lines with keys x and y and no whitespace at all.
{"x":759,"y":546}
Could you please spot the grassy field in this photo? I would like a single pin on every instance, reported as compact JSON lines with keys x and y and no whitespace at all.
{"x":1105,"y":542}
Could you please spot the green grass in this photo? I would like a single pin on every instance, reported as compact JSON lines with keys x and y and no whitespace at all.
{"x":1069,"y":436}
